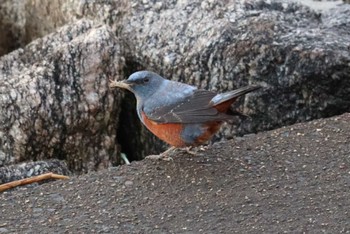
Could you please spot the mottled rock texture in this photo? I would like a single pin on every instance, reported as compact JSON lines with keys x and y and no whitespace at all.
{"x":300,"y":57}
{"x":55,"y":101}
{"x":29,"y":169}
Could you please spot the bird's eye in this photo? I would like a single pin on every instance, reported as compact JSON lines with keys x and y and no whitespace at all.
{"x":146,"y":80}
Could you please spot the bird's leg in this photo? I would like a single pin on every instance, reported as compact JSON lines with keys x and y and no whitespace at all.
{"x":190,"y":150}
{"x":162,"y":156}
{"x":112,"y":82}
{"x":166,"y":157}
{"x":194,"y":151}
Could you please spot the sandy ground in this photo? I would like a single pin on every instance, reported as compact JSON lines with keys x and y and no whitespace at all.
{"x":291,"y":180}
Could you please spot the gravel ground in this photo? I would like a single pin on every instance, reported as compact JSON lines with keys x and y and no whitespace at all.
{"x":295,"y":179}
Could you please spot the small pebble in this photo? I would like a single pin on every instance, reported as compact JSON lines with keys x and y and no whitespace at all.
{"x":128,"y":183}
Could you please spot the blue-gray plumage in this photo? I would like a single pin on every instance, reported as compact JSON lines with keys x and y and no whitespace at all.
{"x":178,"y":113}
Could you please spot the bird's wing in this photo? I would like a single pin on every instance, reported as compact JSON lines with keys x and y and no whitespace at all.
{"x":195,"y":108}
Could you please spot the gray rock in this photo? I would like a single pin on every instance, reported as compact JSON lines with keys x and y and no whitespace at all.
{"x":55,"y":101}
{"x":299,"y":56}
{"x":29,"y":169}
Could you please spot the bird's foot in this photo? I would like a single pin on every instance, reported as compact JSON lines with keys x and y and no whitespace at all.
{"x":162,"y":156}
{"x":194,"y":151}
{"x":159,"y":157}
{"x":112,"y":83}
{"x":166,"y":155}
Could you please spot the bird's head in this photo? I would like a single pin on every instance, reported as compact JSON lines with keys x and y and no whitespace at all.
{"x":142,"y":83}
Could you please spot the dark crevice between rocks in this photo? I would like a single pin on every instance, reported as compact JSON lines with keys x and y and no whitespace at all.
{"x":9,"y":40}
{"x":134,"y":139}
{"x":128,"y":130}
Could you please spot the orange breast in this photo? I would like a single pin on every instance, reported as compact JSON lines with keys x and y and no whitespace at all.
{"x":168,"y":132}
{"x":171,"y":132}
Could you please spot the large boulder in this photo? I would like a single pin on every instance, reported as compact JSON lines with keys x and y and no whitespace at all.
{"x":55,"y":101}
{"x":300,"y":57}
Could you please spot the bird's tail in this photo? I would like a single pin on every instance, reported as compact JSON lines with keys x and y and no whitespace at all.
{"x":232,"y":95}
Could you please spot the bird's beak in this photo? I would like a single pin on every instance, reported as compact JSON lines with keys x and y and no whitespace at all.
{"x":119,"y":84}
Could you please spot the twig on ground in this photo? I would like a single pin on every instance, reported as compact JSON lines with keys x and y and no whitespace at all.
{"x":31,"y":180}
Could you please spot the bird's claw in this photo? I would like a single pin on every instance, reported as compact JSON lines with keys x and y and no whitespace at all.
{"x":163,"y":156}
{"x":112,"y":82}
{"x":159,"y":157}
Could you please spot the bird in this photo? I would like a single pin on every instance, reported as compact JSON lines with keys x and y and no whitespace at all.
{"x":177,"y":113}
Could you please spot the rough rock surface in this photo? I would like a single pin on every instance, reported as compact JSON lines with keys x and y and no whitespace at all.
{"x":29,"y":169}
{"x":55,"y":101}
{"x":294,"y":179}
{"x":300,"y":57}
